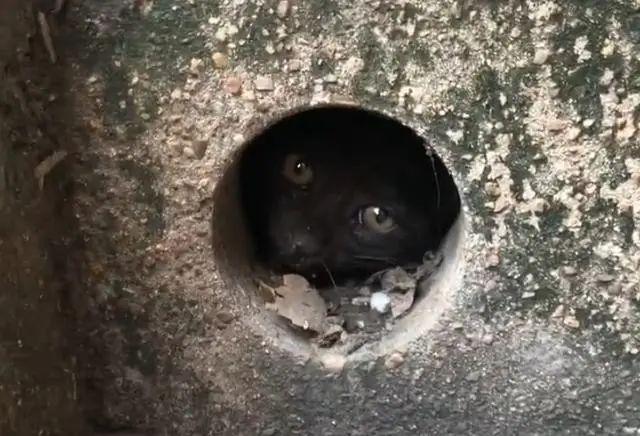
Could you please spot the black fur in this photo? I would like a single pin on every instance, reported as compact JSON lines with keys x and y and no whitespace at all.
{"x":358,"y":159}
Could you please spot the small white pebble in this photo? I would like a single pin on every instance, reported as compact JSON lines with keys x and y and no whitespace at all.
{"x":330,"y":78}
{"x":540,"y":56}
{"x":607,"y":77}
{"x":573,"y":133}
{"x":264,"y":83}
{"x":380,"y":302}
{"x":282,"y":9}
{"x":394,"y":360}
{"x":334,"y":362}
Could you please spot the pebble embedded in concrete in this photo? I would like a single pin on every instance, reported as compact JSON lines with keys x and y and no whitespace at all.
{"x":264,"y":83}
{"x":220,"y":60}
{"x":233,"y":85}
{"x":394,"y":360}
{"x":541,"y":55}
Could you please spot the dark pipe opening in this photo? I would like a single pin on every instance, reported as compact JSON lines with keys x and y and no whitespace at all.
{"x":337,"y":193}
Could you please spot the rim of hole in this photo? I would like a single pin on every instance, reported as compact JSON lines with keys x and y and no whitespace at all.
{"x":238,"y":267}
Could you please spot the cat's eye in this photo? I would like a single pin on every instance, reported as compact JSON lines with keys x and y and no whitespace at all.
{"x":376,"y":219}
{"x":297,"y":170}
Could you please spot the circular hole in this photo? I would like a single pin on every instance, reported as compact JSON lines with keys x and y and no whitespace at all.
{"x":343,"y":220}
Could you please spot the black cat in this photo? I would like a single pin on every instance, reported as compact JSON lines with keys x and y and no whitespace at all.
{"x":337,"y":193}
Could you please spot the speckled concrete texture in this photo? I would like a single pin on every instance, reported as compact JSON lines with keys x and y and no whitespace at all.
{"x":533,"y":105}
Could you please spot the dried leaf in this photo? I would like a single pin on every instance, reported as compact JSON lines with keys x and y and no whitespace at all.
{"x":401,"y":302}
{"x":300,"y":303}
{"x":397,"y":278}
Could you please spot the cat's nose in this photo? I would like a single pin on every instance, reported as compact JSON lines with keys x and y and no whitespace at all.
{"x":303,"y":244}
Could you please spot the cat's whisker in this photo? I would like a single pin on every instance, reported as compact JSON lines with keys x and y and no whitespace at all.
{"x":435,"y":175}
{"x":383,"y":260}
{"x":375,"y":258}
{"x":333,"y":282}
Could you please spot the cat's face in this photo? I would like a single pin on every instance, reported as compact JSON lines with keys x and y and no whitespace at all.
{"x":346,"y":207}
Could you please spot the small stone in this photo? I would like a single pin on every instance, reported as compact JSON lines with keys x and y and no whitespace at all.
{"x":540,"y":56}
{"x":200,"y":147}
{"x":538,"y":205}
{"x":220,"y":60}
{"x":330,"y":78}
{"x":294,"y":65}
{"x":263,"y":106}
{"x":394,"y":360}
{"x":605,"y":278}
{"x":233,"y":85}
{"x":571,"y":321}
{"x":360,"y":301}
{"x":188,"y":152}
{"x":568,"y":271}
{"x":608,"y":48}
{"x":607,"y":77}
{"x":473,"y":376}
{"x":225,"y":317}
{"x":221,"y":34}
{"x":195,"y":66}
{"x":558,"y":311}
{"x":528,"y":294}
{"x":555,"y":125}
{"x":501,"y":204}
{"x":249,"y":95}
{"x":380,"y":302}
{"x":176,"y":94}
{"x":282,"y":9}
{"x":588,"y":123}
{"x":493,"y":260}
{"x":516,"y":32}
{"x":238,"y":139}
{"x":264,"y":83}
{"x":626,"y":133}
{"x":487,"y":339}
{"x":333,"y":362}
{"x":573,"y":133}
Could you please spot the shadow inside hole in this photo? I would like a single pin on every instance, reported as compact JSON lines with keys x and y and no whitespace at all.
{"x":293,"y":199}
{"x":337,"y":193}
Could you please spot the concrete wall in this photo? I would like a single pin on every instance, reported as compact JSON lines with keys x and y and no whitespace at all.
{"x":534,"y":107}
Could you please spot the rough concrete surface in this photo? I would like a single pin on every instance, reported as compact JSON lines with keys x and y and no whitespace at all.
{"x":533,"y":105}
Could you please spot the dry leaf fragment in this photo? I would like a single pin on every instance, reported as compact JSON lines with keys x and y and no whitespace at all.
{"x":397,"y":278}
{"x":401,"y":302}
{"x":300,"y":303}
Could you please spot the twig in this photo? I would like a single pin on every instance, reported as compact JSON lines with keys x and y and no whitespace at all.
{"x":45,"y":29}
{"x":45,"y":167}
